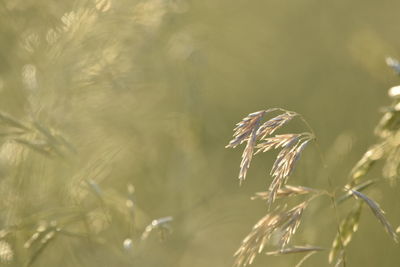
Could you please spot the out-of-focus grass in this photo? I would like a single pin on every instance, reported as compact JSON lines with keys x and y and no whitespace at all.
{"x":116,"y":95}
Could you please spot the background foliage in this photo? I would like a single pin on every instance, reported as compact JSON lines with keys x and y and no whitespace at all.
{"x":116,"y":113}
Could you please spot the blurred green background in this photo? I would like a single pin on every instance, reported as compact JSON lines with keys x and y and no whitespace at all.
{"x":125,"y":108}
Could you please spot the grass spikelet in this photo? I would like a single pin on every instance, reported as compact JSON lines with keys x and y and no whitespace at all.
{"x":246,"y":130}
{"x":44,"y":242}
{"x":347,"y":228}
{"x":373,"y":154}
{"x":270,"y":126}
{"x":247,"y":156}
{"x":277,"y":141}
{"x":256,"y":239}
{"x":389,"y":123}
{"x":285,"y":191}
{"x":289,"y":228}
{"x":341,"y":259}
{"x":284,"y":166}
{"x":378,"y":212}
{"x":359,"y":187}
{"x":286,"y":223}
{"x":31,"y":240}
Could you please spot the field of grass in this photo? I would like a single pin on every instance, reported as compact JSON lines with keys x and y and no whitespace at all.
{"x":114,"y":117}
